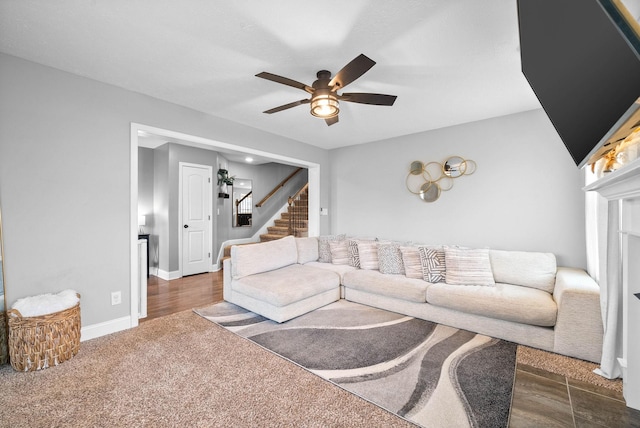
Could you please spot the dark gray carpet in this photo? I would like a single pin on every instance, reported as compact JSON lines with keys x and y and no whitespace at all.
{"x":432,"y":375}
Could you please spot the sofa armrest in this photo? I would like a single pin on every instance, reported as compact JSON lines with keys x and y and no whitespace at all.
{"x":578,"y":329}
{"x":226,"y":279}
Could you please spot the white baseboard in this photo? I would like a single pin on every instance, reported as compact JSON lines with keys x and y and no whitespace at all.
{"x":101,"y":329}
{"x":168,"y":276}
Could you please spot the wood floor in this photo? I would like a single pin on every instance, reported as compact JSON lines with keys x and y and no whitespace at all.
{"x":168,"y":297}
{"x":540,"y":398}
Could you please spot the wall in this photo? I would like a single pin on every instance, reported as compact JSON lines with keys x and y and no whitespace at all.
{"x":65,"y":179}
{"x":525,"y":195}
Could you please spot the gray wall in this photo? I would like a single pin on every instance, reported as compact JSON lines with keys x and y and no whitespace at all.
{"x":66,"y":221}
{"x":525,"y":195}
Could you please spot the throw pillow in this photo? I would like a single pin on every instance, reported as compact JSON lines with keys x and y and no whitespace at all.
{"x":411,"y":261}
{"x":339,"y":254}
{"x":433,"y":264}
{"x":390,"y":259}
{"x":468,"y":266}
{"x":354,"y":256}
{"x":324,"y":252}
{"x":368,"y":252}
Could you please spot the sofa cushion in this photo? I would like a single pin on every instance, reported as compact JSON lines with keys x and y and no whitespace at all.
{"x":390,"y":259}
{"x":287,"y":285}
{"x":397,"y":286}
{"x":307,"y":249}
{"x":529,"y":269}
{"x":433,"y":264}
{"x":503,"y":301}
{"x":368,"y":252}
{"x":324,"y":251}
{"x":411,"y":261}
{"x":466,"y":266}
{"x":341,"y":270}
{"x":339,"y":253}
{"x":262,"y":257}
{"x":352,"y":249}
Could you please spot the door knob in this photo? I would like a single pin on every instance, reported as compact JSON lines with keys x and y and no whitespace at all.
{"x":186,"y":226}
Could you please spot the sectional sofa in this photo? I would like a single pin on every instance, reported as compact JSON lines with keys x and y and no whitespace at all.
{"x":518,"y":296}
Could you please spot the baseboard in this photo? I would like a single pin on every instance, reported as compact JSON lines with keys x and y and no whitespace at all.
{"x":168,"y":276}
{"x":101,"y":329}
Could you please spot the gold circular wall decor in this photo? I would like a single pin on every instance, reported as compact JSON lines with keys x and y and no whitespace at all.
{"x":430,"y":191}
{"x":429,"y":179}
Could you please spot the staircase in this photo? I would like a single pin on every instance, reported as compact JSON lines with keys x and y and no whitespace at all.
{"x":295,"y":221}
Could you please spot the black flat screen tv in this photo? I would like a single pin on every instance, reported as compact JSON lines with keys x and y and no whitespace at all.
{"x":584,"y":71}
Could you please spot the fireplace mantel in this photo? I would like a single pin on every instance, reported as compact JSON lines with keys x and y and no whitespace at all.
{"x":620,"y":271}
{"x":623,"y":183}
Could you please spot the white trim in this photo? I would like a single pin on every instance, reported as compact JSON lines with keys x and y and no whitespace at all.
{"x":101,"y":329}
{"x":133,"y":233}
{"x":209,"y":169}
{"x":168,"y":276}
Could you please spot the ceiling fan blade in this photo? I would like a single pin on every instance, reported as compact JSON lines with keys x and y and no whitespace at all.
{"x":285,"y":81}
{"x":332,"y":120}
{"x":350,"y":72}
{"x":364,"y":98}
{"x":286,"y":106}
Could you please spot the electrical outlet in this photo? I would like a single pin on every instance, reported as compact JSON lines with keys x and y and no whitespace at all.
{"x":116,"y":297}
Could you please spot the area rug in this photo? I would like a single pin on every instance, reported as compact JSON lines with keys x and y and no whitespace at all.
{"x":429,"y":374}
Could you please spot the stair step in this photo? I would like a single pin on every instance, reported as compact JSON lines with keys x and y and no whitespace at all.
{"x":285,"y":222}
{"x":278,"y":230}
{"x":269,"y":237}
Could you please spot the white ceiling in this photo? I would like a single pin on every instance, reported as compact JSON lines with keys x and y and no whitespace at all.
{"x":449,"y":62}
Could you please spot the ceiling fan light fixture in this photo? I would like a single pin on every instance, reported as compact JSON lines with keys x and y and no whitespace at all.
{"x":324,"y":105}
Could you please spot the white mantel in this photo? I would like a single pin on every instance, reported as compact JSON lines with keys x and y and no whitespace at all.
{"x":620,"y":257}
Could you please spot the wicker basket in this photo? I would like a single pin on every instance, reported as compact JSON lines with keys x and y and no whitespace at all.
{"x":4,"y":351}
{"x":47,"y":340}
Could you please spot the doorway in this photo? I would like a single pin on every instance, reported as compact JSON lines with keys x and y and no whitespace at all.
{"x":162,"y":136}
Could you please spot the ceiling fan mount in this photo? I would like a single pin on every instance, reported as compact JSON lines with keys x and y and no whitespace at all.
{"x":325,"y":100}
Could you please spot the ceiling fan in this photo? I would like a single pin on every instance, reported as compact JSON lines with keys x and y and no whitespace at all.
{"x":324,"y":91}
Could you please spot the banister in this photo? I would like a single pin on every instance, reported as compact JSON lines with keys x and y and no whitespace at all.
{"x":305,"y":187}
{"x":238,"y":202}
{"x":278,"y":187}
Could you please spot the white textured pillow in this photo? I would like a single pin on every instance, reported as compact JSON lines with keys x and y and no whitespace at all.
{"x":307,"y":249}
{"x":528,"y":269}
{"x":339,"y":253}
{"x":433,"y":264}
{"x":411,"y":261}
{"x":390,"y":259}
{"x":468,"y":266}
{"x":368,"y":252}
{"x":324,"y":252}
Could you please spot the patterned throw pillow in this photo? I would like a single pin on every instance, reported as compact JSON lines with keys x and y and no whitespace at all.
{"x":411,"y":261}
{"x":468,"y":266}
{"x":368,"y":252}
{"x":324,"y":252}
{"x":433,"y":264}
{"x":390,"y":259}
{"x":339,"y":254}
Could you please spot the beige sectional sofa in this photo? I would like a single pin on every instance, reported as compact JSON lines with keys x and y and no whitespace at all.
{"x":525,"y":297}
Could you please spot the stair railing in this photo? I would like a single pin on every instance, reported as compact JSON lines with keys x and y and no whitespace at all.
{"x":298,"y":212}
{"x":243,"y":210}
{"x":278,"y":187}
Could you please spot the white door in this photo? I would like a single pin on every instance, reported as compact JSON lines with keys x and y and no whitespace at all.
{"x":196,"y":218}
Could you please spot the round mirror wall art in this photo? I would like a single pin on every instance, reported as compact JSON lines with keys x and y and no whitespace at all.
{"x":428,"y":180}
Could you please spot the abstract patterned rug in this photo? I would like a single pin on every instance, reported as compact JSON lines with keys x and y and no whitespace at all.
{"x":430,"y":374}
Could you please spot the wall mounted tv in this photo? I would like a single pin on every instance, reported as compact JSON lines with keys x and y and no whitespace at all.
{"x":583,"y":69}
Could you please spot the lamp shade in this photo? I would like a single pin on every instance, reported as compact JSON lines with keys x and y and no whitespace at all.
{"x":142,"y":220}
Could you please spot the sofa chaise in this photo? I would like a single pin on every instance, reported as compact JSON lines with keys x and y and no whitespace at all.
{"x":518,"y":296}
